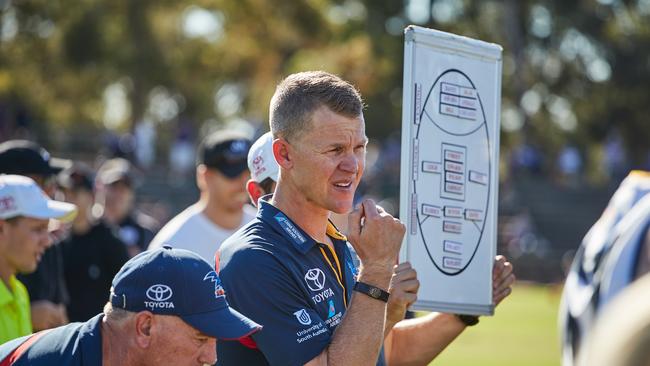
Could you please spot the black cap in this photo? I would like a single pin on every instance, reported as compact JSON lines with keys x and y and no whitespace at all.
{"x":226,"y":151}
{"x":79,"y":176}
{"x":24,"y":157}
{"x":116,"y":170}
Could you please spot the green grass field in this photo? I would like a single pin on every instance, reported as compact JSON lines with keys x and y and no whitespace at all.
{"x":522,"y":332}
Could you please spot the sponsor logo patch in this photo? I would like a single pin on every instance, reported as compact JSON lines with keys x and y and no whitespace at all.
{"x":238,"y":147}
{"x":159,"y":294}
{"x":303,"y":317}
{"x":323,"y":295}
{"x":311,"y":332}
{"x":218,"y":289}
{"x":331,"y":310}
{"x":290,"y":228}
{"x":258,"y":165}
{"x":7,"y":203}
{"x":315,"y":279}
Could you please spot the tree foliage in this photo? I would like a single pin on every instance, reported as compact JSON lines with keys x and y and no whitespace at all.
{"x":573,"y":71}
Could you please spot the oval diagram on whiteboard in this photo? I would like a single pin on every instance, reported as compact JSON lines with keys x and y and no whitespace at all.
{"x":453,"y":182}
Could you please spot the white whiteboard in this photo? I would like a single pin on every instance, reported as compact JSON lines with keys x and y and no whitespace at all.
{"x":449,"y":168}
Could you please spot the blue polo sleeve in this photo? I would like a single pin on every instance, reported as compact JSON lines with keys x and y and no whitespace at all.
{"x":259,"y":286}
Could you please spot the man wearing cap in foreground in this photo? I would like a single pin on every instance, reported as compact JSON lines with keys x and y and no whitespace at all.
{"x":166,"y":307}
{"x":25,"y":211}
{"x":221,"y":175}
{"x":46,"y":286}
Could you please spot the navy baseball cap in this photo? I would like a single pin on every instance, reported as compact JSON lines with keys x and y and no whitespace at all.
{"x":25,"y":157}
{"x":226,"y":151}
{"x":170,"y":281}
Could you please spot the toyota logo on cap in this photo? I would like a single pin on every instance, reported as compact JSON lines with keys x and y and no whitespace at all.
{"x":315,"y":279}
{"x":159,"y":292}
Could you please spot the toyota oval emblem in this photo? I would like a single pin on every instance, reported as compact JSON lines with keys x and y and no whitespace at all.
{"x":159,"y":292}
{"x":315,"y":279}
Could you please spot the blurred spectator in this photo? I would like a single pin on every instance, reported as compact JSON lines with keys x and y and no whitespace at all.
{"x":93,"y":253}
{"x":117,"y":145}
{"x":613,"y":254}
{"x":46,"y":286}
{"x":145,"y":148}
{"x":263,"y":168}
{"x":527,"y":158}
{"x":181,"y":154}
{"x":615,"y":159}
{"x":221,"y":175}
{"x":115,"y":191}
{"x":570,"y":165}
{"x":621,"y":335}
{"x":24,"y":215}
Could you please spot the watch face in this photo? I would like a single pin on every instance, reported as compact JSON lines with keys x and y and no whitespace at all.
{"x":374,"y":292}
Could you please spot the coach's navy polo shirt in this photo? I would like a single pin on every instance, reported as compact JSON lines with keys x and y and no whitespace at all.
{"x":75,"y":344}
{"x":298,"y":289}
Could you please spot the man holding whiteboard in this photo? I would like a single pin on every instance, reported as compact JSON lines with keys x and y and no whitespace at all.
{"x":291,"y":270}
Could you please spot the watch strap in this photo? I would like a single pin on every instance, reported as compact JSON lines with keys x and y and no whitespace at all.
{"x":372,"y":291}
{"x":469,"y":320}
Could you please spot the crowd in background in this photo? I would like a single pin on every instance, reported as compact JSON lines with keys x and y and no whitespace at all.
{"x":75,"y":273}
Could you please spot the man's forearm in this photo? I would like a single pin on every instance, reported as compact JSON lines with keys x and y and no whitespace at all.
{"x":390,"y":324}
{"x":418,"y":341}
{"x":358,"y":339}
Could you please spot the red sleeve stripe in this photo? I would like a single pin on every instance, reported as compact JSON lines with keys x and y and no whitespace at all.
{"x":246,"y":341}
{"x":15,"y":354}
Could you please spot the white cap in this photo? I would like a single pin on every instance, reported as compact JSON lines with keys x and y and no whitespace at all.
{"x":21,"y":196}
{"x":261,"y":161}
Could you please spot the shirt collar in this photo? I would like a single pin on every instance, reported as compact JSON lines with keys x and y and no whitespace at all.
{"x":334,"y":233}
{"x":7,"y":294}
{"x":91,"y":340}
{"x":287,"y":228}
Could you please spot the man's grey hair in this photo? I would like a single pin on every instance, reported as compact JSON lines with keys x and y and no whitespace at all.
{"x":114,"y":314}
{"x":299,"y":95}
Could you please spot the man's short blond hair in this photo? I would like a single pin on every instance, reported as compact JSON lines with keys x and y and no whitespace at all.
{"x":299,"y":95}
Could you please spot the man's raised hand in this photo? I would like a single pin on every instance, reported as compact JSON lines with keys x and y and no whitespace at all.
{"x":375,"y":235}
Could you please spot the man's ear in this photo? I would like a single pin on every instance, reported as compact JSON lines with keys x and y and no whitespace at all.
{"x":283,"y":153}
{"x":3,"y":228}
{"x":201,"y":170}
{"x":144,"y":322}
{"x":254,"y":191}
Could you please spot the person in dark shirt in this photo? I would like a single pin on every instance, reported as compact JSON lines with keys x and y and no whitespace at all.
{"x":115,"y":187}
{"x":46,"y":286}
{"x":92,"y":254}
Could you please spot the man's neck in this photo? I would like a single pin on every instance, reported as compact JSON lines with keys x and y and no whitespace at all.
{"x":115,"y":218}
{"x":6,"y":271}
{"x":220,"y":216}
{"x":311,"y":218}
{"x":114,"y":346}
{"x":82,"y":224}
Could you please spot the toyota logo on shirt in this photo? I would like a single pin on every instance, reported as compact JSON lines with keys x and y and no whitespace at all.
{"x":159,"y":292}
{"x":315,"y":279}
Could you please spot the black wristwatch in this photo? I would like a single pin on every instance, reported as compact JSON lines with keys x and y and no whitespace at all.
{"x":469,"y":320}
{"x":372,"y":291}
